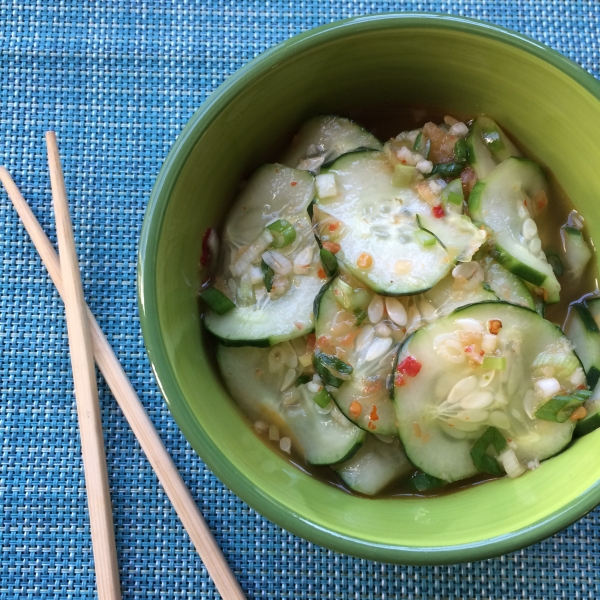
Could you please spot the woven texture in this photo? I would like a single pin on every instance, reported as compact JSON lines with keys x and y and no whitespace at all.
{"x":117,"y":81}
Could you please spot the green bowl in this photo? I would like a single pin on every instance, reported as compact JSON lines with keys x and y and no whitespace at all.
{"x":458,"y":65}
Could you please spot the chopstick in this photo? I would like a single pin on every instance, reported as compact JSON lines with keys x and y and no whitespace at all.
{"x":86,"y":390}
{"x":136,"y":415}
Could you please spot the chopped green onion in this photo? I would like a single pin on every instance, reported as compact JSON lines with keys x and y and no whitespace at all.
{"x":555,"y":262}
{"x":452,"y":169}
{"x":481,"y":459}
{"x":460,"y":150}
{"x":583,"y":394}
{"x":422,"y":482}
{"x":425,"y":238}
{"x":302,"y":379}
{"x":283,"y":233}
{"x":453,"y":197}
{"x":496,"y":363}
{"x":403,"y":175}
{"x":324,"y":362}
{"x":563,"y":364}
{"x":217,"y":300}
{"x":360,"y":315}
{"x":329,"y":261}
{"x":492,"y":139}
{"x":422,"y":145}
{"x":559,"y":408}
{"x":268,"y":275}
{"x":342,"y":292}
{"x":322,"y":398}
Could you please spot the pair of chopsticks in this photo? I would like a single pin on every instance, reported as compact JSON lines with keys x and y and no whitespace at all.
{"x":87,"y":342}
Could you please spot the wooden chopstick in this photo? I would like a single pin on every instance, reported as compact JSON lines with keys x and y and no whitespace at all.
{"x":136,"y":415}
{"x":86,"y":389}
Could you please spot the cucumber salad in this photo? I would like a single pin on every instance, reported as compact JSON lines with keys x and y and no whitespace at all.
{"x":386,"y":310}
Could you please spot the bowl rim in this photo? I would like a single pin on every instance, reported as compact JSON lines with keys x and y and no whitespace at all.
{"x":209,"y":452}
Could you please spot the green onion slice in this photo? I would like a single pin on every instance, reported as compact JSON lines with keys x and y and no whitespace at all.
{"x":452,"y":169}
{"x":329,"y":261}
{"x":217,"y":300}
{"x":322,"y":398}
{"x":559,"y":408}
{"x":425,"y":238}
{"x":268,"y":275}
{"x":403,"y":175}
{"x":283,"y":233}
{"x":453,"y":197}
{"x":479,"y":453}
{"x":302,"y":379}
{"x":460,"y":150}
{"x":496,"y":363}
{"x":325,"y":363}
{"x":422,"y":145}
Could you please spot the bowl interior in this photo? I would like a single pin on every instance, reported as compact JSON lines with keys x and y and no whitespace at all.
{"x":547,"y":103}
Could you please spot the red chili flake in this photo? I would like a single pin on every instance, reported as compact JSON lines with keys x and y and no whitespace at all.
{"x":371,"y":426}
{"x":333,"y":226}
{"x":321,"y":274}
{"x":409,"y":366}
{"x":400,"y":380}
{"x":294,"y":183}
{"x":374,"y":416}
{"x":469,"y":349}
{"x":525,"y":203}
{"x":205,"y":257}
{"x":438,"y":211}
{"x":481,"y":353}
{"x":298,"y":326}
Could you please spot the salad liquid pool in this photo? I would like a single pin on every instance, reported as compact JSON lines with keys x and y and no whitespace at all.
{"x":386,"y":122}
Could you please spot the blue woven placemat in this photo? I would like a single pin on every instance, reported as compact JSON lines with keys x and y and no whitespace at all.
{"x":118,"y":81}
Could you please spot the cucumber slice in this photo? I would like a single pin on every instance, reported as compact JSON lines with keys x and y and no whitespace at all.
{"x":344,"y":331}
{"x":518,"y":260}
{"x":376,"y":227}
{"x":450,"y":294}
{"x":263,"y":315}
{"x":506,"y":285}
{"x":375,"y":466}
{"x":325,"y":437}
{"x":458,"y":235}
{"x":487,"y":146}
{"x":577,"y":252}
{"x":323,"y":139}
{"x":451,"y":401}
{"x":583,"y":331}
{"x":592,"y":419}
{"x":502,"y":201}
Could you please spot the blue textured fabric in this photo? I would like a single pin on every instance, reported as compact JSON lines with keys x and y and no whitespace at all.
{"x":118,"y":81}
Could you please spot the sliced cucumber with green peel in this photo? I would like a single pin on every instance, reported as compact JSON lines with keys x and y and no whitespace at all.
{"x":582,"y":329}
{"x":375,"y":466}
{"x":591,"y":421}
{"x":518,"y":260}
{"x":323,"y":139}
{"x":360,"y":388}
{"x":324,"y":436}
{"x":488,"y":146}
{"x":261,"y":316}
{"x":446,"y":407}
{"x":378,"y":229}
{"x":501,"y":201}
{"x":506,"y":285}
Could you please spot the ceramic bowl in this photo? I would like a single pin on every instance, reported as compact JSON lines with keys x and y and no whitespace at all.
{"x":551,"y":105}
